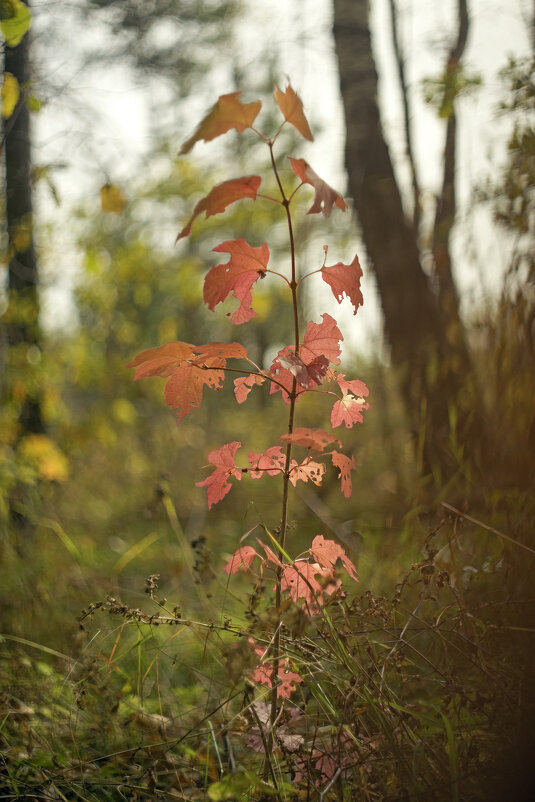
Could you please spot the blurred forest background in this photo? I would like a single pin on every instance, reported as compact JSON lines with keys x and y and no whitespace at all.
{"x":428,"y":132}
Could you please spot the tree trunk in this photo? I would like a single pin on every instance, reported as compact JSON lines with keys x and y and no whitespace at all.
{"x":22,"y":317}
{"x":418,"y":316}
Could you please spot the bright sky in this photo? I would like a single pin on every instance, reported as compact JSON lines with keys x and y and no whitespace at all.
{"x":299,"y":33}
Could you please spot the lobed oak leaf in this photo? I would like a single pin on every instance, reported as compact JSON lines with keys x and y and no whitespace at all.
{"x":229,"y":112}
{"x":241,"y":559}
{"x":246,"y":265}
{"x":327,"y":552}
{"x":291,"y":106}
{"x":345,"y":466}
{"x":345,"y":280}
{"x":272,"y":461}
{"x":325,"y":197}
{"x":348,"y":410}
{"x":310,"y":438}
{"x":217,"y":484}
{"x":222,"y":196}
{"x":308,"y":469}
{"x":244,"y":384}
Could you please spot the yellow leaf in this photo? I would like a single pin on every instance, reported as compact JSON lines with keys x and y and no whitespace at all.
{"x":10,"y":95}
{"x":49,"y":462}
{"x":111,"y":199}
{"x":15,"y":20}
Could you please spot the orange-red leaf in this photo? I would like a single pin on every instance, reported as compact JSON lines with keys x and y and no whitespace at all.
{"x":306,"y":374}
{"x":345,"y":280}
{"x":217,"y":484}
{"x":237,"y":276}
{"x":241,"y":559}
{"x":348,"y":410}
{"x":291,"y":106}
{"x":308,"y":469}
{"x":222,"y":196}
{"x":310,"y":438}
{"x":325,"y":196}
{"x":244,"y":385}
{"x":322,"y":339}
{"x":160,"y":361}
{"x":272,"y":461}
{"x":189,"y":368}
{"x":345,"y":466}
{"x":355,"y":386}
{"x":327,"y":552}
{"x":229,"y":112}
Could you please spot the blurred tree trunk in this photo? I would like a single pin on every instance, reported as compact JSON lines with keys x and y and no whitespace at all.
{"x":421,"y":312}
{"x":22,"y":333}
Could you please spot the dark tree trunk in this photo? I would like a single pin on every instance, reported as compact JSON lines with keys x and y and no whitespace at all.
{"x":22,"y":318}
{"x":419,"y":314}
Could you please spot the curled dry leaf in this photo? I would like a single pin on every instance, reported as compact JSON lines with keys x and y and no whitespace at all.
{"x":229,"y":112}
{"x":325,"y":196}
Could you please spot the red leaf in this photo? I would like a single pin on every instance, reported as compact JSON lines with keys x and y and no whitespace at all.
{"x":345,"y":465}
{"x":327,"y":552}
{"x":241,"y":559}
{"x":308,"y":469}
{"x":270,"y":555}
{"x":291,"y":106}
{"x":160,"y":361}
{"x":325,"y":196}
{"x":229,"y":112}
{"x":217,"y":484}
{"x":222,"y":196}
{"x":355,"y":386}
{"x":246,"y":265}
{"x":345,"y":280}
{"x":184,"y":389}
{"x":322,"y":339}
{"x":306,"y":375}
{"x":272,"y":461}
{"x":189,"y":367}
{"x":310,"y":438}
{"x":348,"y":410}
{"x":244,"y":385}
